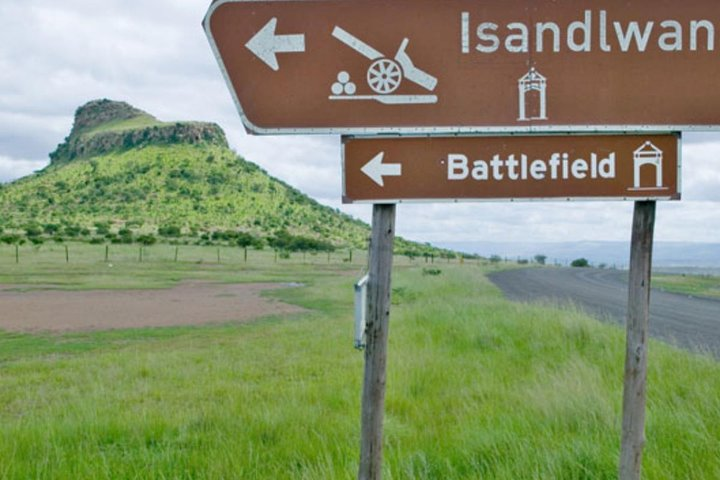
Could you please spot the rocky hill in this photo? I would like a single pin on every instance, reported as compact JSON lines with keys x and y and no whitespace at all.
{"x":122,"y":174}
{"x":104,"y":126}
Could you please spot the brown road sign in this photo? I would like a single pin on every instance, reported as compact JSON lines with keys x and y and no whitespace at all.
{"x":450,"y":66}
{"x":430,"y":169}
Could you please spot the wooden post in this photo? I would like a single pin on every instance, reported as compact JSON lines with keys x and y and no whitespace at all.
{"x":107,"y":252}
{"x":17,"y":253}
{"x":351,"y":254}
{"x":67,"y":254}
{"x":245,"y":254}
{"x":377,"y":324}
{"x":177,"y":252}
{"x":638,"y":316}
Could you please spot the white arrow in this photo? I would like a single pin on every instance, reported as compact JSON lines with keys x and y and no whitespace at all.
{"x":376,"y":170}
{"x":265,"y":44}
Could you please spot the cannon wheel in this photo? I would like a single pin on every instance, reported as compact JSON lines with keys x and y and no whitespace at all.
{"x":384,"y":76}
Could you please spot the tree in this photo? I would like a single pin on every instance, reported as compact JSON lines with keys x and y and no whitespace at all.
{"x":580,"y":263}
{"x":540,"y":259}
{"x":247,"y":240}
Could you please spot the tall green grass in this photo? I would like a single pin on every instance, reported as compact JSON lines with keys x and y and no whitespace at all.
{"x":695,"y":285}
{"x":477,"y":388}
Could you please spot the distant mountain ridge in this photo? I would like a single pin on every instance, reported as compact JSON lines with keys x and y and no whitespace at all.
{"x":665,"y":254}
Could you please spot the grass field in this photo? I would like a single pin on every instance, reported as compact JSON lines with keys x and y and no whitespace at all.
{"x":477,"y":387}
{"x":695,"y":285}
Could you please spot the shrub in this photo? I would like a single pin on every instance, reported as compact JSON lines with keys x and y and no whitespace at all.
{"x":285,"y":241}
{"x":102,"y":228}
{"x":72,"y":231}
{"x":10,"y":239}
{"x":51,"y":228}
{"x":33,"y":231}
{"x":411,"y":255}
{"x":169,"y":231}
{"x":147,"y":239}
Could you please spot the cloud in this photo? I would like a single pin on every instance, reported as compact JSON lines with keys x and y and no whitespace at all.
{"x":311,"y":164}
{"x":701,"y":171}
{"x":11,"y":168}
{"x":55,"y":56}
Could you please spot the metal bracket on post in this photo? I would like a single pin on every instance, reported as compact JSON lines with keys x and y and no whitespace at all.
{"x":360,"y":311}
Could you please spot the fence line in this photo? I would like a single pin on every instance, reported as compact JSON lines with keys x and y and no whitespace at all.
{"x":84,"y":253}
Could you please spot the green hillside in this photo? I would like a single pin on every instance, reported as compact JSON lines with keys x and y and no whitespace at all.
{"x":123,"y":175}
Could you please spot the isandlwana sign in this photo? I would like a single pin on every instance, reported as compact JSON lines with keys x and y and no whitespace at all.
{"x":621,"y":167}
{"x":430,"y":66}
{"x":435,"y":67}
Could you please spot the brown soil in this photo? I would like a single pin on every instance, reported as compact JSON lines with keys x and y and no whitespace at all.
{"x":186,"y":304}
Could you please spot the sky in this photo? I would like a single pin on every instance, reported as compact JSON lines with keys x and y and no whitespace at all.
{"x":58,"y":55}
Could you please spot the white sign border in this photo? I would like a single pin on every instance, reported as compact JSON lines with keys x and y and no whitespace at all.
{"x":677,"y":134}
{"x":425,"y":130}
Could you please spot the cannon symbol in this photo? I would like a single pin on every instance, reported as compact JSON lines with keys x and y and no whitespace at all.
{"x":384,"y":75}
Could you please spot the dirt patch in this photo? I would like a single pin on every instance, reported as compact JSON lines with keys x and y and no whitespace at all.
{"x":187,"y":304}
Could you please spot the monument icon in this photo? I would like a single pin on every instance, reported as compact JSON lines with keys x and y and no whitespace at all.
{"x":648,"y":154}
{"x":532,"y":96}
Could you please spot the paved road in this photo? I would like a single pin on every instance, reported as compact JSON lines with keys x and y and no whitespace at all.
{"x":690,"y":322}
